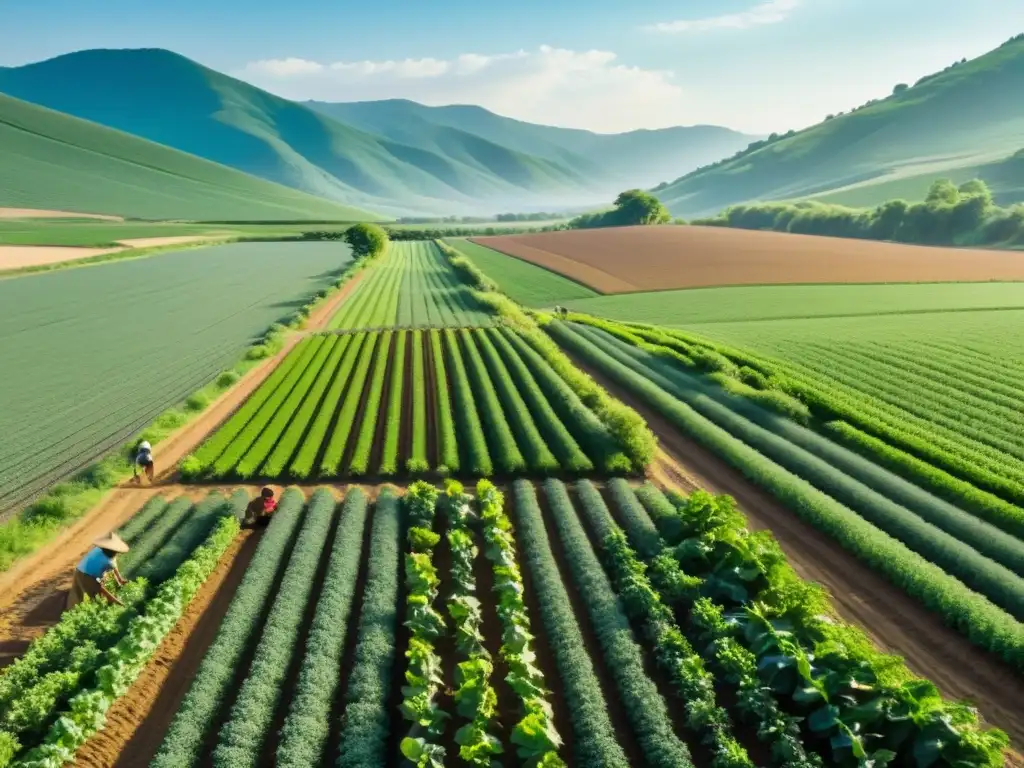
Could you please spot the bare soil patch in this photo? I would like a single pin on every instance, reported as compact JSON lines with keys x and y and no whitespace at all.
{"x":152,"y":242}
{"x":18,"y":256}
{"x":626,"y":259}
{"x":138,"y":720}
{"x":37,"y":213}
{"x":894,"y":621}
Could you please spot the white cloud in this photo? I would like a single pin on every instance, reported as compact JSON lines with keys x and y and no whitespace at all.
{"x":555,"y":86}
{"x":767,"y":12}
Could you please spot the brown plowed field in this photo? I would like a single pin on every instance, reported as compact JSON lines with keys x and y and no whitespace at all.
{"x":627,"y":259}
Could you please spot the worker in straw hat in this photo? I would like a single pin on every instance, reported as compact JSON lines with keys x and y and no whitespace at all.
{"x":93,"y":568}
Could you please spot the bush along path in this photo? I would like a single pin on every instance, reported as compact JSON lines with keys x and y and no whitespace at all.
{"x":86,"y":711}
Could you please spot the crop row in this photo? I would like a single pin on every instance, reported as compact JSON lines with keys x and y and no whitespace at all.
{"x":893,"y":540}
{"x":413,"y":286}
{"x":374,"y":403}
{"x":57,"y":695}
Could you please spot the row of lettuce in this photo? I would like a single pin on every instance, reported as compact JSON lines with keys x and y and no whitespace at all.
{"x":374,"y":403}
{"x":56,"y":695}
{"x":965,"y":568}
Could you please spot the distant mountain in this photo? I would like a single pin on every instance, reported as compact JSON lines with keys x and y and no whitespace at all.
{"x":965,"y":117}
{"x":172,"y":100}
{"x":636,"y":158}
{"x":54,"y":161}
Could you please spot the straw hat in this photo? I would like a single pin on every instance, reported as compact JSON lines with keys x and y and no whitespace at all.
{"x":111,"y":541}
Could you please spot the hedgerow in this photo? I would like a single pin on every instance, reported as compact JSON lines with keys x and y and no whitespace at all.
{"x":536,"y":452}
{"x":247,"y":728}
{"x":471,"y":432}
{"x":359,"y":464}
{"x":500,"y":440}
{"x":982,"y":622}
{"x":183,"y":743}
{"x":594,"y":741}
{"x":447,"y":445}
{"x":302,"y":465}
{"x":366,"y":719}
{"x":645,"y":708}
{"x":393,"y":418}
{"x":418,"y":460}
{"x":268,"y":438}
{"x":345,"y":423}
{"x":992,"y":579}
{"x":568,"y":452}
{"x":303,"y":417}
{"x":306,"y":729}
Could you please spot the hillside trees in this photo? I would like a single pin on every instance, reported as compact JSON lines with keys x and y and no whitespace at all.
{"x":366,"y":240}
{"x":632,"y":207}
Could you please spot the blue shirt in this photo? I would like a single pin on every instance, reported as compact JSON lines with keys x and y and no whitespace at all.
{"x":96,"y":563}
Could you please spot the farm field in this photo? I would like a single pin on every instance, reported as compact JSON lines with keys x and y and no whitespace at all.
{"x":626,"y":259}
{"x":692,"y":308}
{"x":395,"y":402}
{"x":953,"y":548}
{"x":92,"y":355}
{"x":522,"y":281}
{"x":571,"y":623}
{"x":413,"y":286}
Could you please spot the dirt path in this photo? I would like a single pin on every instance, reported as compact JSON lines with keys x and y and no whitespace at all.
{"x":138,"y":720}
{"x":37,"y":213}
{"x":895,"y":622}
{"x":32,"y":591}
{"x":18,"y":256}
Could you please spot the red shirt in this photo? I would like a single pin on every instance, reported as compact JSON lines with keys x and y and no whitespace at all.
{"x":269,"y":505}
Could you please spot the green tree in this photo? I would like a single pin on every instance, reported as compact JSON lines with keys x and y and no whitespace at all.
{"x":366,"y":240}
{"x":943,"y":191}
{"x":634,"y":206}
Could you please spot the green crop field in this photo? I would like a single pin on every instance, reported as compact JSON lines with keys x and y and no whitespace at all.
{"x":684,"y":308}
{"x":413,"y":286}
{"x":526,"y":283}
{"x":476,"y":402}
{"x":92,"y":355}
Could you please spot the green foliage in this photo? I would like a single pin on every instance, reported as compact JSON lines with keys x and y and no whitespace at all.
{"x":306,"y":729}
{"x":345,"y":424}
{"x":417,"y":461}
{"x":393,"y":419}
{"x":470,"y":428}
{"x":594,"y":739}
{"x":249,"y":723}
{"x":366,"y":240}
{"x":200,"y":708}
{"x":984,"y":623}
{"x":632,"y":207}
{"x":86,"y":713}
{"x":949,"y":215}
{"x":448,"y":448}
{"x":359,"y":464}
{"x":366,"y":719}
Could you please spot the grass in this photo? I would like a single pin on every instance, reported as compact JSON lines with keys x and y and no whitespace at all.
{"x":520,"y":280}
{"x":58,"y":162}
{"x":94,"y":355}
{"x":698,"y":306}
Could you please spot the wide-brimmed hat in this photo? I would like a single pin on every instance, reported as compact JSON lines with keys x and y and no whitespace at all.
{"x":111,"y":541}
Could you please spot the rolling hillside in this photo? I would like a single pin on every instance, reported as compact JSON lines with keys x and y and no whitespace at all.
{"x":167,"y":98}
{"x":951,"y":123}
{"x":55,"y":161}
{"x":634,"y":158}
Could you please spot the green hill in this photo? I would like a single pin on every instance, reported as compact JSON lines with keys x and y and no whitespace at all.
{"x":950,"y":123}
{"x":55,"y":161}
{"x":172,"y":100}
{"x":630,"y":159}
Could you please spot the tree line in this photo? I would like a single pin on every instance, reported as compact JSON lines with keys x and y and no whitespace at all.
{"x":949,"y":215}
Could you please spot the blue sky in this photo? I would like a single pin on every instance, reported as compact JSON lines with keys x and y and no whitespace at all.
{"x":754,"y":65}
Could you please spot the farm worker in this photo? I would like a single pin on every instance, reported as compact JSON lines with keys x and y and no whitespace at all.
{"x":144,"y":459}
{"x":91,"y":570}
{"x":260,"y":509}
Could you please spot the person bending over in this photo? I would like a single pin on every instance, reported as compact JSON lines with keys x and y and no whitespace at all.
{"x":93,"y":568}
{"x":260,"y":509}
{"x":144,"y":459}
